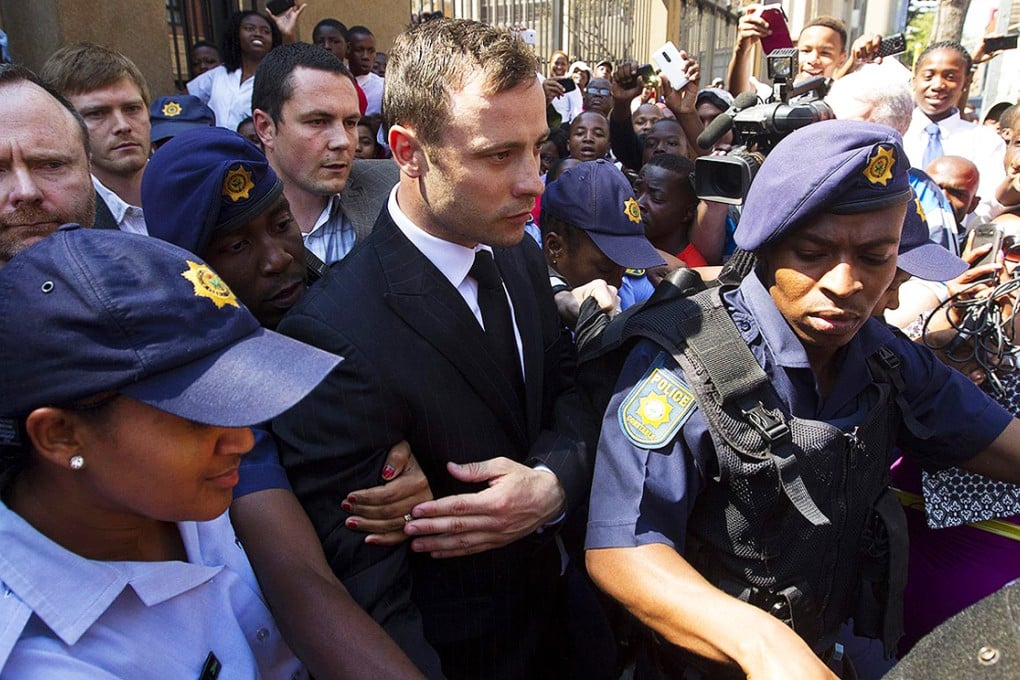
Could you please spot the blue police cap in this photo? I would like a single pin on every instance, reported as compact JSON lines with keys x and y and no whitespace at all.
{"x":597,"y":198}
{"x":170,"y":116}
{"x":203,"y":182}
{"x":87,"y":311}
{"x":918,"y":256}
{"x":835,"y":166}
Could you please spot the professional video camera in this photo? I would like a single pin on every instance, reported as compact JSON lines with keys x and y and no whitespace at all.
{"x":757,"y":129}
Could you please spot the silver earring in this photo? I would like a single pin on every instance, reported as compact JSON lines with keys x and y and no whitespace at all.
{"x":76,"y":462}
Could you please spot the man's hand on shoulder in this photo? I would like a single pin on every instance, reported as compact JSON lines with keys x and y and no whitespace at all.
{"x":519,"y":500}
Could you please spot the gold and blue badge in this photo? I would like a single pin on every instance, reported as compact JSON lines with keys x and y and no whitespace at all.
{"x":635,"y":273}
{"x":632,"y":210}
{"x":238,"y":183}
{"x":881,"y":164}
{"x":209,"y":285}
{"x":657,"y":407}
{"x":172,"y":109}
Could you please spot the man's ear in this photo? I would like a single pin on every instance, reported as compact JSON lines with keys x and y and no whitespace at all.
{"x":55,"y":434}
{"x":265,"y":128}
{"x":407,"y":151}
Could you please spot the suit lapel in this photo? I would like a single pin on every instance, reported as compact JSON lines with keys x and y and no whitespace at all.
{"x":420,"y":295}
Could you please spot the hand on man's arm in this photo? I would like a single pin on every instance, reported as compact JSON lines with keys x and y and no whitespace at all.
{"x":380,"y":511}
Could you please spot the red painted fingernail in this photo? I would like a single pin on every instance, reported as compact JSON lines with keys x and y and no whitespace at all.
{"x":352,"y":523}
{"x":388,"y":472}
{"x":346,"y":506}
{"x":351,"y":498}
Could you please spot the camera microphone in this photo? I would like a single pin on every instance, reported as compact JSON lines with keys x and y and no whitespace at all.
{"x":722,"y":123}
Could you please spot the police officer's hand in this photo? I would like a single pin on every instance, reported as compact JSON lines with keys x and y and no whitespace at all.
{"x":380,"y":511}
{"x":777,"y":653}
{"x":519,"y":500}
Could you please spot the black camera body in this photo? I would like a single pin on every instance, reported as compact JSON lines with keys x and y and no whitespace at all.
{"x":757,"y":129}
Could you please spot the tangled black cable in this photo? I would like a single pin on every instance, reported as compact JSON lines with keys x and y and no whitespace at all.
{"x":984,"y":329}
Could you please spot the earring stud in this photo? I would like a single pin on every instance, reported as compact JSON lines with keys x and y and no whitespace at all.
{"x":76,"y":462}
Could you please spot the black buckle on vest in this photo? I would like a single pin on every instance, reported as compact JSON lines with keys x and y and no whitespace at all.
{"x":888,"y":358}
{"x":768,"y":425}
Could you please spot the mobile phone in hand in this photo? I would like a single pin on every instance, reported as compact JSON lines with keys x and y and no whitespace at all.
{"x":780,"y":36}
{"x":892,"y":44}
{"x":985,"y":234}
{"x":278,"y":7}
{"x":670,"y":63}
{"x":568,"y":84}
{"x":1005,"y":42}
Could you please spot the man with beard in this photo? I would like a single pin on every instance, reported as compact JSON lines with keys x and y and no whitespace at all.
{"x":44,"y":162}
{"x":112,"y":97}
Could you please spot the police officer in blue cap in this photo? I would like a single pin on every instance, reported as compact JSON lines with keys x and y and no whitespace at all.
{"x":740,"y":506}
{"x":213,"y":193}
{"x":129,"y":377}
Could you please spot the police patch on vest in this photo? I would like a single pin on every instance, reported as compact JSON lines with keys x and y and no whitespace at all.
{"x":656,"y":408}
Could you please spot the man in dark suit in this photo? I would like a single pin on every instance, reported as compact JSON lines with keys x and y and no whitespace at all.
{"x":305,"y":110}
{"x":464,"y":359}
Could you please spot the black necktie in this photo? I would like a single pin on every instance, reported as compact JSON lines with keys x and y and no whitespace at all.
{"x":499,"y":332}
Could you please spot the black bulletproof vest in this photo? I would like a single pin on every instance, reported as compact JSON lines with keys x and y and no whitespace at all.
{"x":798,"y":504}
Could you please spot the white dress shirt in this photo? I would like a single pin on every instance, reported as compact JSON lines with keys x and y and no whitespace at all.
{"x":977,"y":143}
{"x":453,"y":261}
{"x":129,"y":217}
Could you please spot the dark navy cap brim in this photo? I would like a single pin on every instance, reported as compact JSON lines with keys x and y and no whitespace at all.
{"x":931,"y":262}
{"x":631,"y":252}
{"x":165,"y":130}
{"x":249,"y":382}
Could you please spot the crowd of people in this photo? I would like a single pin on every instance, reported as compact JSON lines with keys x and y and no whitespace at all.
{"x":435,"y":363}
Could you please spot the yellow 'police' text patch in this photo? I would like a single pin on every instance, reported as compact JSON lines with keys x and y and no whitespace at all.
{"x":656,"y":408}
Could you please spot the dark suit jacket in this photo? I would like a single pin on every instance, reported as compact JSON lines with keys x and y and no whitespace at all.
{"x":104,"y":218}
{"x":415,"y":369}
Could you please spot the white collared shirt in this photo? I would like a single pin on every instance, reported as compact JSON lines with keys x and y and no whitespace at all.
{"x":454,"y":262}
{"x":62,"y":615}
{"x":224,"y":93}
{"x":977,"y":143}
{"x":129,"y":217}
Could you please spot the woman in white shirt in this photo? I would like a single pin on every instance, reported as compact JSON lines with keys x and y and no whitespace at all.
{"x":127,"y":385}
{"x":248,"y":38}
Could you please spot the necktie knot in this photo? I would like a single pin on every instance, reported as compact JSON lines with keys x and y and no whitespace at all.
{"x":933,"y":130}
{"x":484,"y":271}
